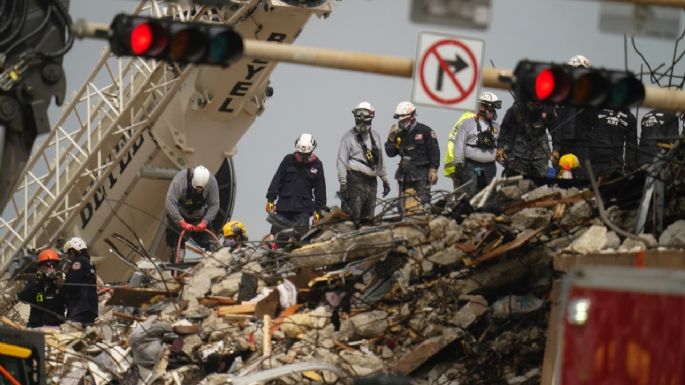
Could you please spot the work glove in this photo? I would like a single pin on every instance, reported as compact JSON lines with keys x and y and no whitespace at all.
{"x":432,"y":176}
{"x":555,"y":157}
{"x":386,"y":188}
{"x":500,"y":155}
{"x":186,"y":226}
{"x":201,"y":227}
{"x":344,"y":192}
{"x":40,"y":275}
{"x":270,"y":207}
{"x":317,"y":218}
{"x":392,"y":135}
{"x":58,"y":280}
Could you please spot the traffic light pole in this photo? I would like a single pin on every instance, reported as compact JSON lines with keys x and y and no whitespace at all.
{"x":655,"y":97}
{"x":665,"y":3}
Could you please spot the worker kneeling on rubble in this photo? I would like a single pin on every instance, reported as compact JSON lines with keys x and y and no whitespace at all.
{"x":360,"y":162}
{"x":474,"y":147}
{"x":298,"y":189}
{"x":80,"y":284}
{"x":192,"y":202}
{"x":44,"y":293}
{"x":417,"y":146}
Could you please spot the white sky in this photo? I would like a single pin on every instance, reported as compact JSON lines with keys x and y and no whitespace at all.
{"x":319,"y":101}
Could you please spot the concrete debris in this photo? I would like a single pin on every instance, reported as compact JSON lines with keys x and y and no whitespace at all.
{"x":530,"y":218}
{"x":635,"y":245}
{"x":674,"y":235}
{"x":591,"y":241}
{"x":449,"y":298}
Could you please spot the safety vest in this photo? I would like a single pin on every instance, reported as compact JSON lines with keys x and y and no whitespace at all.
{"x":449,"y":155}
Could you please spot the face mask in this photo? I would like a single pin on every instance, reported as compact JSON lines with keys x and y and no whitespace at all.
{"x":404,"y":123}
{"x":303,"y":158}
{"x":362,"y":127}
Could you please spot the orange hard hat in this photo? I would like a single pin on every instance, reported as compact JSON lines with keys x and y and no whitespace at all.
{"x":48,"y":255}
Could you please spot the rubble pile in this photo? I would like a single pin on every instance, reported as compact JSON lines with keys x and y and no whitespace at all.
{"x":447,"y":297}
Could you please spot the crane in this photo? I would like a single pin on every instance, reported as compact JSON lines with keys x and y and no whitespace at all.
{"x":105,"y":166}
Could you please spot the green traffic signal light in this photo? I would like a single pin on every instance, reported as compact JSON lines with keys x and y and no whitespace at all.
{"x":175,"y":41}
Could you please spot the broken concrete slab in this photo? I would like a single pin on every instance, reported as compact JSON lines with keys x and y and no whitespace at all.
{"x":345,"y":249}
{"x":370,"y":324}
{"x":590,"y":241}
{"x":634,"y":245}
{"x":530,"y":218}
{"x":674,"y":235}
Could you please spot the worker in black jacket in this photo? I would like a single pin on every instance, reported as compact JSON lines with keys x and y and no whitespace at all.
{"x":658,"y":127}
{"x":613,"y":143}
{"x":419,"y":152}
{"x":43,"y":294}
{"x":80,"y":283}
{"x":298,"y":189}
{"x":523,"y":146}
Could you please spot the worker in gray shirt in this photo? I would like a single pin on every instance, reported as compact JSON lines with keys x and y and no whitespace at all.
{"x":192,"y":202}
{"x":360,"y":162}
{"x":476,"y":144}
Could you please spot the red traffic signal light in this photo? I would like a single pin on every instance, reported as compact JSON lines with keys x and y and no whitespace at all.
{"x":579,"y":86}
{"x":174,"y":41}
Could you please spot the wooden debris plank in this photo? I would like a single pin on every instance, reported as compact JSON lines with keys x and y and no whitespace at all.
{"x":551,"y":339}
{"x":213,"y":300}
{"x":424,"y":351}
{"x":674,"y":259}
{"x":130,"y":296}
{"x":243,"y":308}
{"x":268,"y":305}
{"x":515,"y":244}
{"x":128,"y":317}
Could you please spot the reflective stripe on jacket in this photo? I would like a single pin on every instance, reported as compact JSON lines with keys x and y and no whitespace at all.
{"x":449,"y":155}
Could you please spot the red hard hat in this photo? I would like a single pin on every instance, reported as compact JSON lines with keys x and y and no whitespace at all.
{"x":48,"y":255}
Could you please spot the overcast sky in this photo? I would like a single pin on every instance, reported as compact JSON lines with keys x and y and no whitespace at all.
{"x":319,"y":101}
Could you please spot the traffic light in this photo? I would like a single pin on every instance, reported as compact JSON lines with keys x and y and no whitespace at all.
{"x":175,"y":41}
{"x":578,"y":86}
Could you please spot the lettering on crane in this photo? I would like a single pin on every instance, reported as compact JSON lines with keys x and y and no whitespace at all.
{"x":241,"y":87}
{"x":101,"y":193}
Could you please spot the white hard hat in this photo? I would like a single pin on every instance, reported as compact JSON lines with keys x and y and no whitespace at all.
{"x":75,"y":243}
{"x":200,"y":177}
{"x":488,"y":98}
{"x":364,"y":110}
{"x":305,"y":144}
{"x":404,"y":110}
{"x":579,"y":61}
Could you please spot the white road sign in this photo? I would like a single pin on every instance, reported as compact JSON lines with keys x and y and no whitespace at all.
{"x":447,"y":71}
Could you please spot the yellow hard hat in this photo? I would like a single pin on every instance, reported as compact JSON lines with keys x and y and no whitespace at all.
{"x":235,"y":229}
{"x":569,"y":162}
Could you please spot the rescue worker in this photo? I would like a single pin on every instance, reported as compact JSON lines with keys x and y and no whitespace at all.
{"x":360,"y":162}
{"x":523,"y":145}
{"x":298,"y":189}
{"x":572,"y":126}
{"x":417,"y":146}
{"x":80,"y":284}
{"x":613,"y":143}
{"x":476,"y":143}
{"x":44,"y":294}
{"x":657,"y":127}
{"x":233,"y":235}
{"x":449,"y":168}
{"x":192,"y":202}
